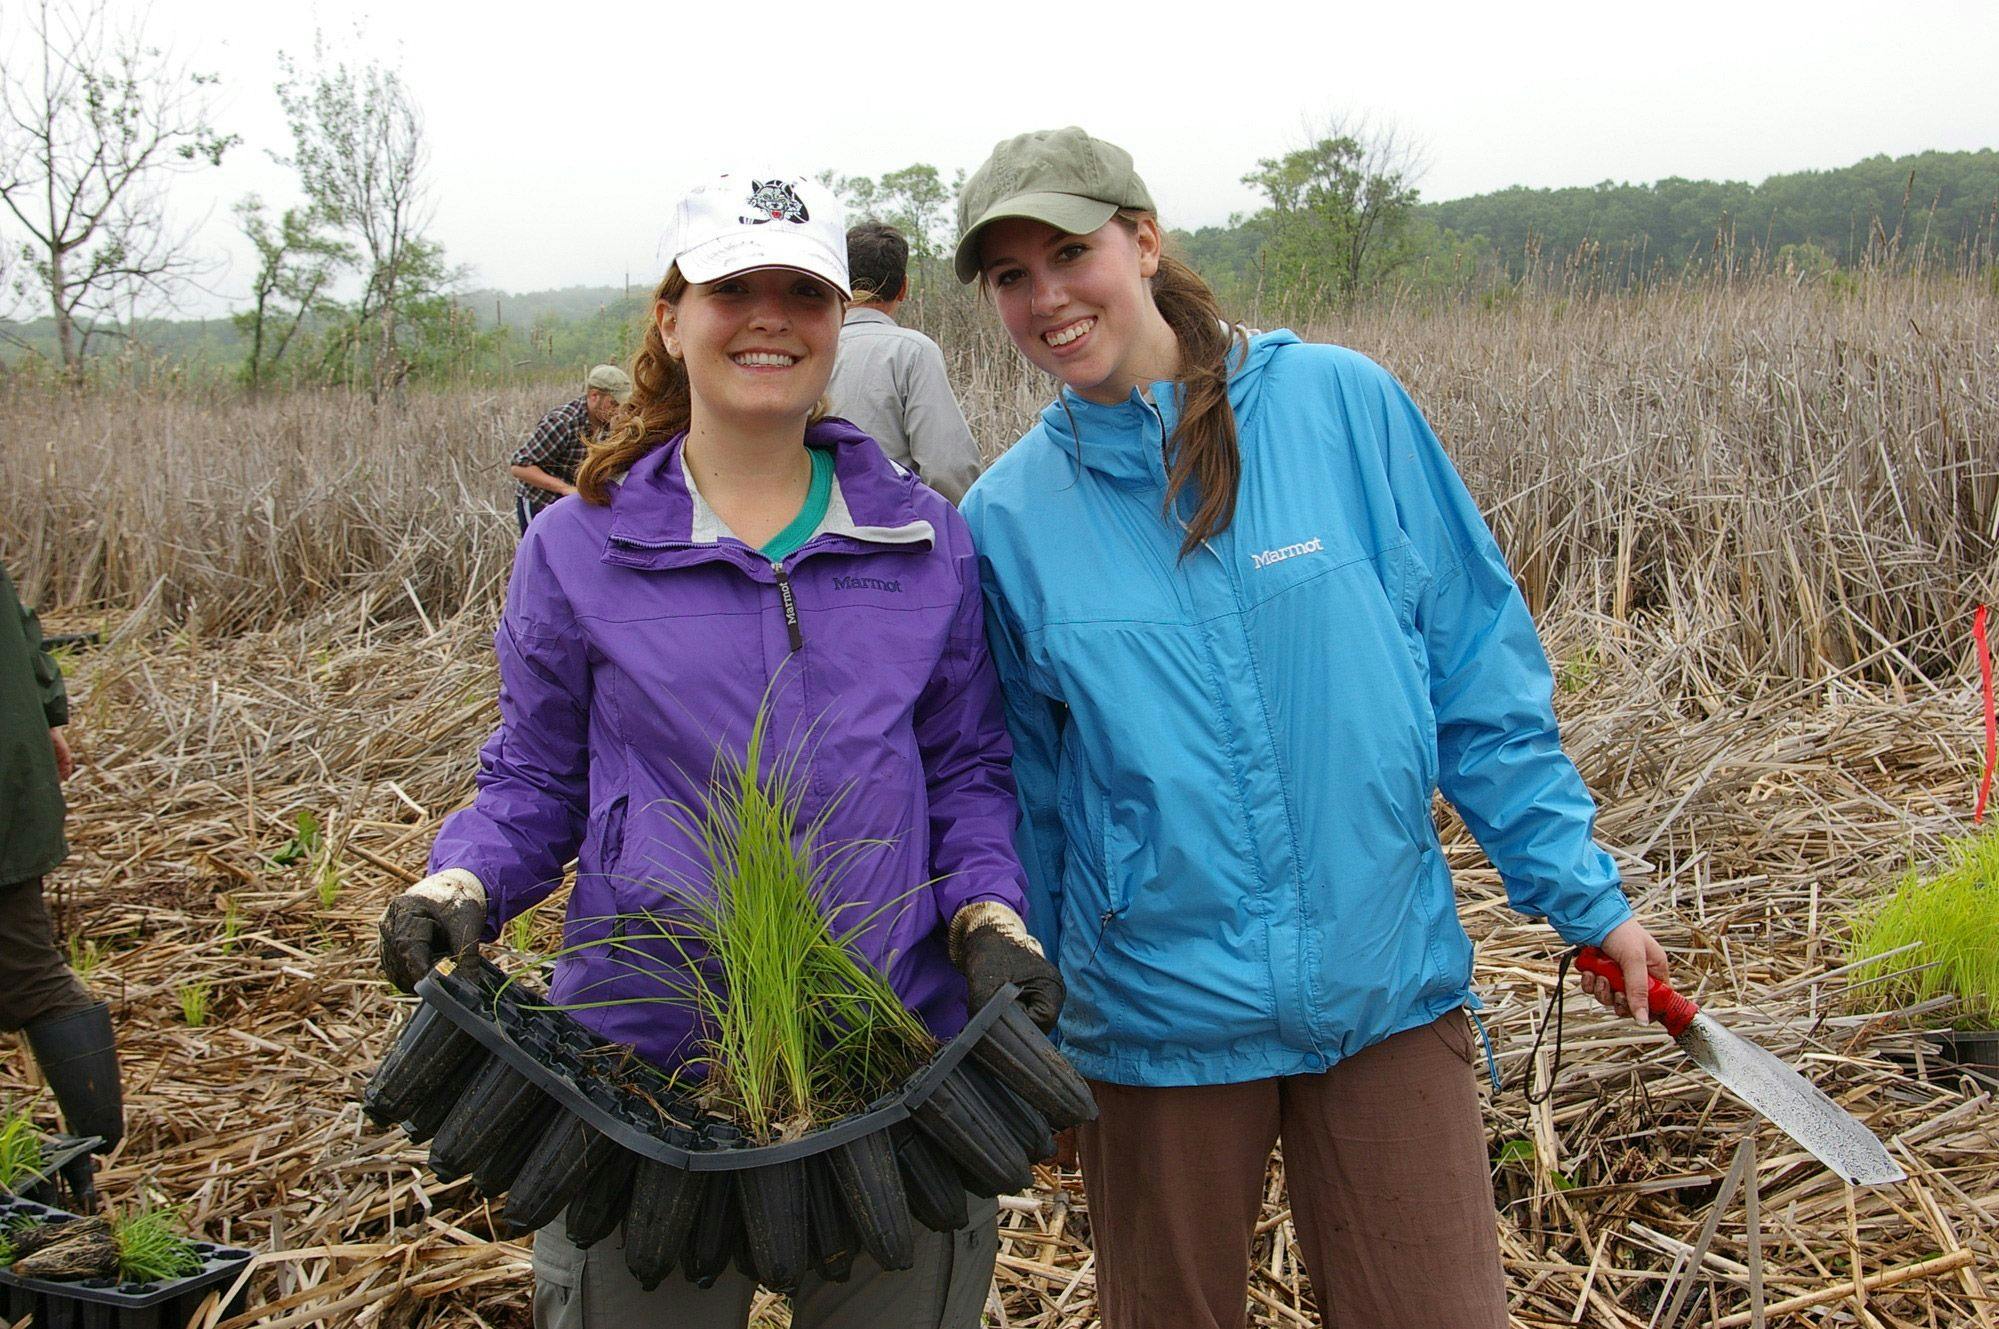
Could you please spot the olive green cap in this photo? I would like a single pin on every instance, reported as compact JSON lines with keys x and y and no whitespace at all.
{"x":1063,"y":177}
{"x":611,"y":379}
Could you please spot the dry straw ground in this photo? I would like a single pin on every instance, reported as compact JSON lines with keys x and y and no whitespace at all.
{"x":1753,"y":523}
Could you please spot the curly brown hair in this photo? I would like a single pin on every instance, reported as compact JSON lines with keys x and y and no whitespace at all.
{"x":659,"y":407}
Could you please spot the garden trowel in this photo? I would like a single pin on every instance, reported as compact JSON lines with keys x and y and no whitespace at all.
{"x":1791,"y":1102}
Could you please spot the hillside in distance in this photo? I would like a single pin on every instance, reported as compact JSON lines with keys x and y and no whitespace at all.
{"x":1949,"y":200}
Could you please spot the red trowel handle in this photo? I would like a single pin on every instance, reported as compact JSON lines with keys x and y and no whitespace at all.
{"x":1673,"y":1011}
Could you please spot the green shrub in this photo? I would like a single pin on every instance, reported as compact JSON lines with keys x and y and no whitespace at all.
{"x":1951,"y":921}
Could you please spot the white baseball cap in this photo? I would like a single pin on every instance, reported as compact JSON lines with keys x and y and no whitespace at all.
{"x":746,"y":220}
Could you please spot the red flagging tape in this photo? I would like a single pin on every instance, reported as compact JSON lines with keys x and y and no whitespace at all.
{"x":1984,"y":641}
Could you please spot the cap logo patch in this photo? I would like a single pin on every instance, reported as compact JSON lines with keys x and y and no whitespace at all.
{"x":774,"y":200}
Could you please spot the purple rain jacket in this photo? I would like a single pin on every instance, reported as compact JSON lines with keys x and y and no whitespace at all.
{"x":640,"y":636}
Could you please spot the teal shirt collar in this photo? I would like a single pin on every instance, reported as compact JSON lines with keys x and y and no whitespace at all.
{"x":818,"y":495}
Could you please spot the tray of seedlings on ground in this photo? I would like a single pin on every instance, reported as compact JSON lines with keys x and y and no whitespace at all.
{"x":1937,"y":936}
{"x":137,"y":1270}
{"x":818,"y":1119}
{"x":31,"y":1163}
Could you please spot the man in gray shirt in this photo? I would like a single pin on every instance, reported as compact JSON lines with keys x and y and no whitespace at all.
{"x":889,"y":380}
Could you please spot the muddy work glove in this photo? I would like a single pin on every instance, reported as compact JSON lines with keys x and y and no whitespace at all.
{"x":439,"y":917}
{"x":991,"y":946}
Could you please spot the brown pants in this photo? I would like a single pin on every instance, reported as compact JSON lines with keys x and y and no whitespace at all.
{"x":35,"y":980}
{"x":1390,"y":1190}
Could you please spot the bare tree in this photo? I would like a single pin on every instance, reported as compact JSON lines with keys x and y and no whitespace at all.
{"x":93,"y":120}
{"x":357,"y":144}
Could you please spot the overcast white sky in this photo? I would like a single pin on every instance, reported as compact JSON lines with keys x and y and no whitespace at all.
{"x":560,"y":133}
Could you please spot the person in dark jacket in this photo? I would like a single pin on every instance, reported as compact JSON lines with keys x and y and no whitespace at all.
{"x":729,"y":553}
{"x":40,"y":996}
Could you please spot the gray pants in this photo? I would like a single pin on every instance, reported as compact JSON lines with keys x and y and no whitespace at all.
{"x":592,"y":1289}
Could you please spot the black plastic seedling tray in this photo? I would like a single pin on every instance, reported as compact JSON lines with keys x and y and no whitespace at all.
{"x":513,"y":1094}
{"x":106,"y":1303}
{"x":58,"y":1154}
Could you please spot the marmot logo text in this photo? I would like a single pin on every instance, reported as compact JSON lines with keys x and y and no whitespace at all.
{"x":1269,"y":556}
{"x":868,"y":584}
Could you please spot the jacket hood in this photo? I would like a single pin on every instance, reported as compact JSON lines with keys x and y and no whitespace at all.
{"x":655,"y":509}
{"x":1123,"y":442}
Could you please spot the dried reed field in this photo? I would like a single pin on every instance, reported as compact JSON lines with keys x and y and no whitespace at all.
{"x":1752,"y":521}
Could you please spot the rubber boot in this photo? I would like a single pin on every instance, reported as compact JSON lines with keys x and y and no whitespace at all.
{"x":78,"y":1054}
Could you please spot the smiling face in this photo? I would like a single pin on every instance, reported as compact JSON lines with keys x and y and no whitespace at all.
{"x":758,"y":346}
{"x":1078,"y":306}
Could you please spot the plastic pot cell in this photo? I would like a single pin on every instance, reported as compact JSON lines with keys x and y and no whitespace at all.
{"x":484,"y":1130}
{"x":832,"y":1245}
{"x":1974,"y":1050}
{"x":773,"y":1204}
{"x":718,"y":1230}
{"x":1022,"y":1058}
{"x":936,"y":1195}
{"x":868,"y":1181}
{"x":1030,"y":1130}
{"x":973,"y":1134}
{"x":665,"y":1202}
{"x":431,"y":1058}
{"x":556,"y":1169}
{"x":602,"y":1202}
{"x":64,"y":1157}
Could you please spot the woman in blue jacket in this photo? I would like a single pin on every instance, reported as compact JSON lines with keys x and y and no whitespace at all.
{"x":1247,"y":621}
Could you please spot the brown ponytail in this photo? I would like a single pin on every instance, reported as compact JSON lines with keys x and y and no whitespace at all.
{"x":660,"y":406}
{"x":1203,"y":450}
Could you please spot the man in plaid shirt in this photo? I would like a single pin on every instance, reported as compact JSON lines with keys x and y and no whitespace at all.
{"x":545,"y":465}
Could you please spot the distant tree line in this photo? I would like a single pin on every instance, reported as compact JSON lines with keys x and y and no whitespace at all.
{"x":1344,"y":218}
{"x":1946,"y":203}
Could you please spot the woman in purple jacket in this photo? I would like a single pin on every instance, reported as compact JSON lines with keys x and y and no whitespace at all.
{"x":728,"y":549}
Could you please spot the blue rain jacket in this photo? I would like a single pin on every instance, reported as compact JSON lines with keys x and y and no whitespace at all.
{"x":1226,"y":762}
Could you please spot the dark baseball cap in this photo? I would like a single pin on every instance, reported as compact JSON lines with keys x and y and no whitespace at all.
{"x":1063,"y":177}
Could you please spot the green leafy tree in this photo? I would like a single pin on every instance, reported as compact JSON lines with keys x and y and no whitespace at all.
{"x":915,"y":200}
{"x":297,"y":263}
{"x":1337,"y":211}
{"x":93,"y":119}
{"x":358,"y":147}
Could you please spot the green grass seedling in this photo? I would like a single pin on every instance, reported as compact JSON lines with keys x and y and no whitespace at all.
{"x":1581,"y":670}
{"x":1951,"y":918}
{"x":21,"y":1153}
{"x":152,"y":1245}
{"x":795,"y":1027}
{"x":84,"y":956}
{"x":194,"y":1002}
{"x":328,"y":884}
